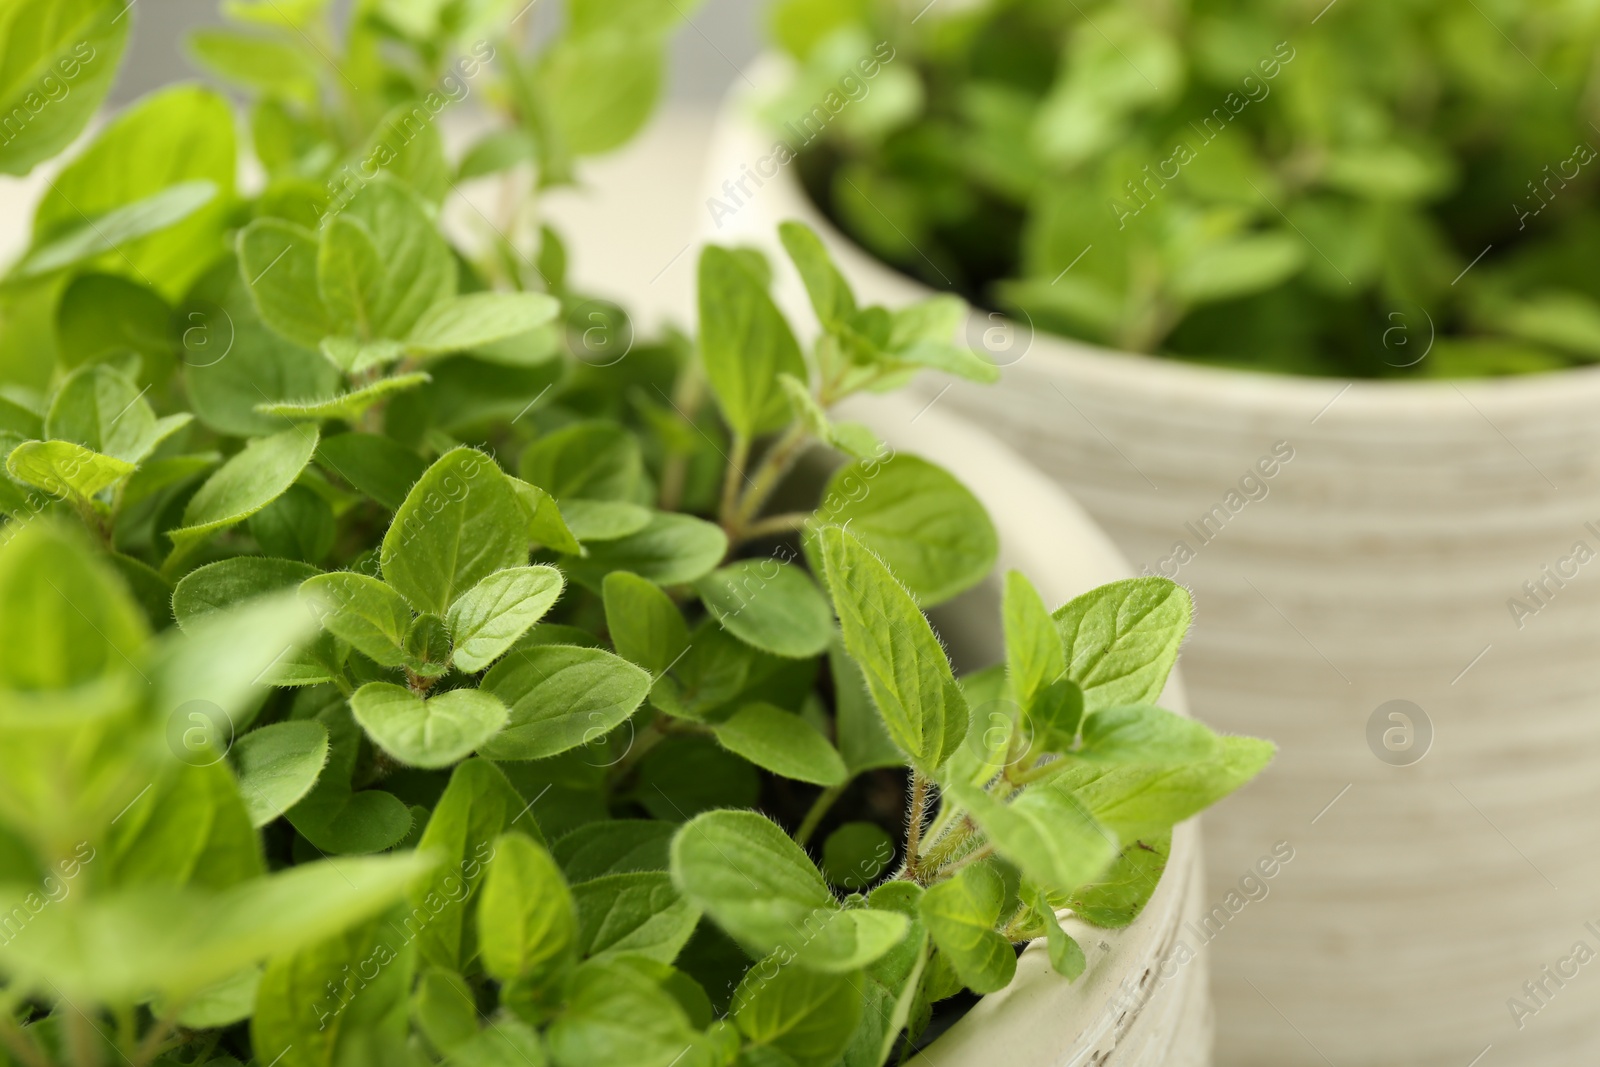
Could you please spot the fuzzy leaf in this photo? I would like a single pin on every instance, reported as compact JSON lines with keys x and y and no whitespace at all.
{"x":248,"y":482}
{"x":459,"y":524}
{"x":960,"y":914}
{"x":348,"y":407}
{"x":924,"y":524}
{"x":595,"y":460}
{"x":527,"y":921}
{"x":488,"y":618}
{"x":761,"y":887}
{"x":561,"y":697}
{"x":64,"y":469}
{"x":638,"y":913}
{"x":783,"y":743}
{"x":435,"y":732}
{"x":1034,"y":657}
{"x":278,"y":765}
{"x":479,"y":804}
{"x":646,"y":627}
{"x":806,"y":1016}
{"x":771,"y":605}
{"x":118,"y":227}
{"x":363,"y":611}
{"x":903,"y":663}
{"x":76,"y":44}
{"x":279,"y":263}
{"x":1122,"y":639}
{"x":467,"y":322}
{"x":745,"y":343}
{"x":1046,"y":832}
{"x":672,"y":550}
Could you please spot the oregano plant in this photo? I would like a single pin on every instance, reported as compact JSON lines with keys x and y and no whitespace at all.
{"x":388,"y":676}
{"x":1388,"y":191}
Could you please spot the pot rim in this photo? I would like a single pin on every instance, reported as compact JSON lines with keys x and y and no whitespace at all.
{"x":740,"y":136}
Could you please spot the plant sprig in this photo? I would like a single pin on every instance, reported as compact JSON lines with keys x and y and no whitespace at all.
{"x":383,"y":678}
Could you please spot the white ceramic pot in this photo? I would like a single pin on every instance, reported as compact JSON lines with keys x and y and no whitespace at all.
{"x":1144,"y":1000}
{"x":1363,"y":542}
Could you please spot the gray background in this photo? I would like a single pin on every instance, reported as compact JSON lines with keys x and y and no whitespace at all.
{"x":723,"y":36}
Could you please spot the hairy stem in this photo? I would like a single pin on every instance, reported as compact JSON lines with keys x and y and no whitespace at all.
{"x":919,"y":813}
{"x":970,"y":858}
{"x":949,"y":844}
{"x":813,"y":819}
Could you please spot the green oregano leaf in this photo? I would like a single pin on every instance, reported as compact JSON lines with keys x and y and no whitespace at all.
{"x":434,"y":732}
{"x":783,"y":743}
{"x":459,"y":524}
{"x":1122,"y":639}
{"x":637,"y":913}
{"x":244,"y":485}
{"x":889,"y":638}
{"x":918,"y":519}
{"x":278,"y":765}
{"x":645,"y":625}
{"x":772,"y":605}
{"x":960,"y":914}
{"x":561,"y":697}
{"x":745,"y":343}
{"x":64,"y":469}
{"x":527,"y":921}
{"x":807,"y":1016}
{"x":488,"y":618}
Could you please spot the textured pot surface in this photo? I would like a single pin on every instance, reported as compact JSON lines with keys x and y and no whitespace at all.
{"x":1350,"y":544}
{"x":1144,"y":1000}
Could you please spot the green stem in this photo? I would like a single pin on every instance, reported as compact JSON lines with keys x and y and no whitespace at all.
{"x":729,"y":512}
{"x":688,"y":393}
{"x":775,"y":525}
{"x":21,"y":1043}
{"x":646,"y":739}
{"x":84,"y":1049}
{"x":919,"y":813}
{"x":1037,"y":772}
{"x":813,"y":819}
{"x":774,"y":465}
{"x":155,"y":1042}
{"x":970,"y":858}
{"x":947,"y":846}
{"x":127,"y":1028}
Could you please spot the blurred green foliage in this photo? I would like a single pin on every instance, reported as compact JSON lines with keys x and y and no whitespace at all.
{"x":1307,"y":187}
